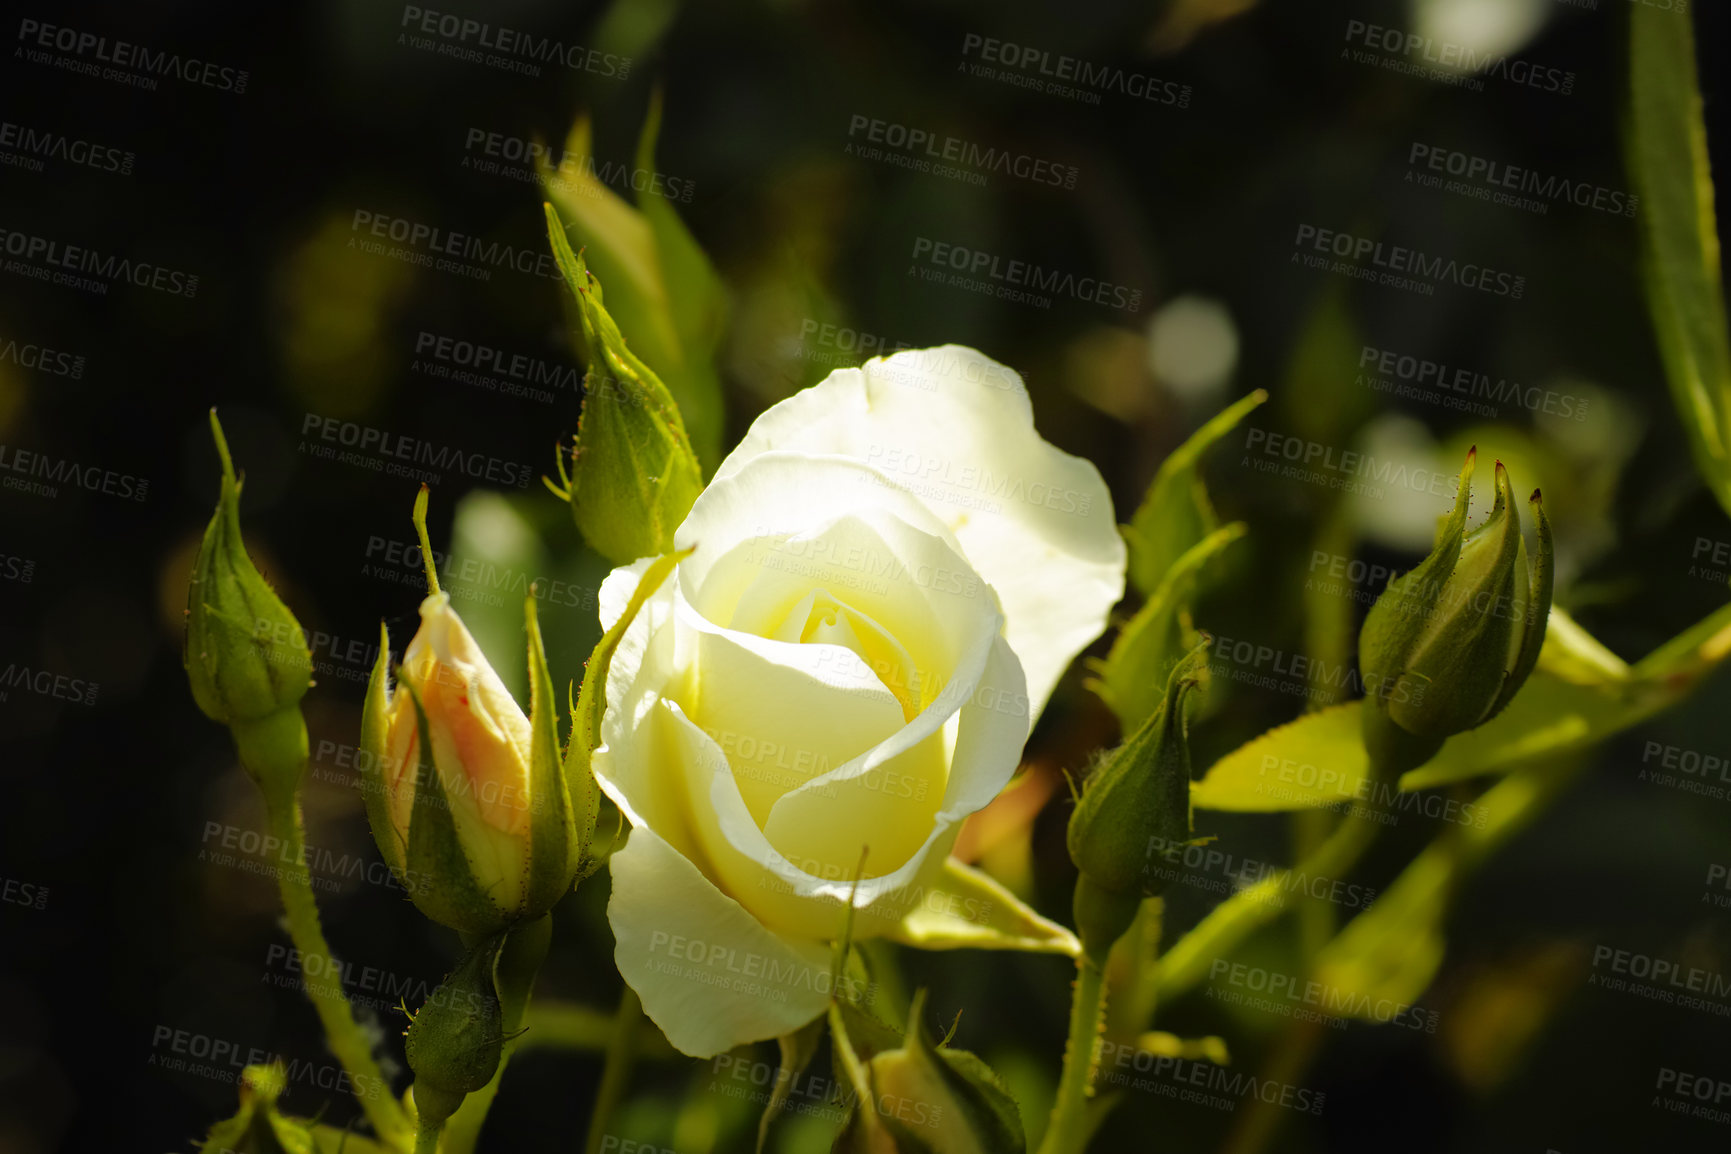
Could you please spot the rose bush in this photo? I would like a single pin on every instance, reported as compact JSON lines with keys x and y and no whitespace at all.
{"x":888,"y":577}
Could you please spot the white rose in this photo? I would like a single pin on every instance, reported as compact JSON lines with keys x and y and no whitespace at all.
{"x":890,"y":574}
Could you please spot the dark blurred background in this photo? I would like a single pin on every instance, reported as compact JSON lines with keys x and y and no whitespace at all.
{"x":133,"y":905}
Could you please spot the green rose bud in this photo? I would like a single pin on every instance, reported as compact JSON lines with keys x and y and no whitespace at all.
{"x":1138,"y":798}
{"x":930,"y":1098}
{"x":457,"y":1038}
{"x":634,"y":475}
{"x":1447,"y":645}
{"x":245,"y":654}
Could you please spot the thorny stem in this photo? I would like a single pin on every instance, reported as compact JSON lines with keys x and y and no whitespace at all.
{"x":1067,"y":1131}
{"x":343,"y":1034}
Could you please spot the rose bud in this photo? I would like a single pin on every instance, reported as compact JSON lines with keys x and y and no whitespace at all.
{"x":466,"y":796}
{"x":456,"y":1039}
{"x":634,"y":474}
{"x":1138,"y":798}
{"x":927,"y":1097}
{"x":1447,"y":646}
{"x":245,"y":654}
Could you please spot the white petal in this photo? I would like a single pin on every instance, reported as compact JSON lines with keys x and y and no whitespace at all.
{"x":710,"y":975}
{"x":956,"y":428}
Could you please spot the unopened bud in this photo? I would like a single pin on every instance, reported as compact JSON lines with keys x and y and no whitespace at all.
{"x":1447,"y":645}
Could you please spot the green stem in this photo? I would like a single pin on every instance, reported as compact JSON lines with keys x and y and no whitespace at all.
{"x":520,"y":960}
{"x":427,"y":1138}
{"x":616,"y":1070}
{"x":1133,"y":974}
{"x":1316,"y":920}
{"x":1067,"y":1130}
{"x":343,"y":1034}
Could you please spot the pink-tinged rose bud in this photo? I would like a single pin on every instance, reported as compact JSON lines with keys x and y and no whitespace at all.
{"x":468,"y":798}
{"x":480,"y":745}
{"x":455,"y":755}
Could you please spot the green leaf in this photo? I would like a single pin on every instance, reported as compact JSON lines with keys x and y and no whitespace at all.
{"x":1667,"y":151}
{"x":963,"y":908}
{"x":633,"y":474}
{"x":663,"y":290}
{"x":558,"y":844}
{"x":1133,"y":677}
{"x":592,"y":705}
{"x":1391,"y":952}
{"x":1176,"y":514}
{"x":374,"y":768}
{"x":1575,"y":698}
{"x":1316,"y":760}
